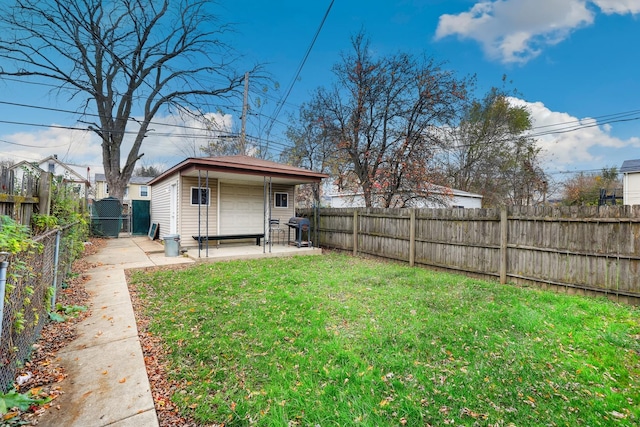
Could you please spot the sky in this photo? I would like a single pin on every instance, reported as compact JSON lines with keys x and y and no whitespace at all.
{"x":574,"y":64}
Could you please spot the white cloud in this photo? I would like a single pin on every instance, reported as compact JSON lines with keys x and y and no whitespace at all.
{"x":567,"y":140}
{"x":620,"y":7}
{"x":69,"y":145}
{"x":171,"y":139}
{"x":516,"y":31}
{"x":176,"y":137}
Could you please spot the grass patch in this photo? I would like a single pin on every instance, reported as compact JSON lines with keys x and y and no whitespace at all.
{"x":340,"y":341}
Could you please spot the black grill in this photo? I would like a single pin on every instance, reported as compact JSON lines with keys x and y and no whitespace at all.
{"x":301,"y":226}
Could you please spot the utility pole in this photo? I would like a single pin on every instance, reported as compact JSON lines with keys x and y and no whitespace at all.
{"x":245,"y":108}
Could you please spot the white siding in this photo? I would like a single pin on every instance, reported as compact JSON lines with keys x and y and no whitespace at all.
{"x":357,"y":201}
{"x":160,"y":204}
{"x":283,"y":214}
{"x":631,"y":185}
{"x":196,"y":220}
{"x":241,"y":208}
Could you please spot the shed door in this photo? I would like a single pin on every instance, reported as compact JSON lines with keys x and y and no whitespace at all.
{"x":241,"y":209}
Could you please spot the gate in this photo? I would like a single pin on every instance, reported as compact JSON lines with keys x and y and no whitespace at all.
{"x":106,"y":217}
{"x":140,"y":217}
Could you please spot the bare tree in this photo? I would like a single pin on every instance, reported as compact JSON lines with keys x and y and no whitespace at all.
{"x":381,"y":115}
{"x":148,"y":171}
{"x":6,"y":163}
{"x":313,"y":147}
{"x":123,"y":59}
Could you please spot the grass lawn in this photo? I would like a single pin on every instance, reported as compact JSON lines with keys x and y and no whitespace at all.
{"x":342,"y":341}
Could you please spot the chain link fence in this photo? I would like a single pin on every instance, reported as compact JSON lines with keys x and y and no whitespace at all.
{"x":32,"y":281}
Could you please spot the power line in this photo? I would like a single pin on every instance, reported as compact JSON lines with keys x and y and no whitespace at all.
{"x":299,"y":69}
{"x":31,"y":146}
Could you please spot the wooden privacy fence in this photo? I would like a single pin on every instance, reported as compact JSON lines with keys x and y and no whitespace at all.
{"x":21,"y":197}
{"x":588,"y":250}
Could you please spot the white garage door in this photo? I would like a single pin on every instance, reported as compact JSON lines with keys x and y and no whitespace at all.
{"x":241,"y":209}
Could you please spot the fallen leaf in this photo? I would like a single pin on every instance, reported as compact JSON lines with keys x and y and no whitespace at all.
{"x":123,"y":380}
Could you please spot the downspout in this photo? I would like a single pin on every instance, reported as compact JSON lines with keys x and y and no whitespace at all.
{"x":4,"y":264}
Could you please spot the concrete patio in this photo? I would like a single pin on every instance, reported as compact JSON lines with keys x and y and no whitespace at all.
{"x":225,"y":251}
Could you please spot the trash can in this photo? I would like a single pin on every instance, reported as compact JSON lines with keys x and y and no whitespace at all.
{"x":171,"y":245}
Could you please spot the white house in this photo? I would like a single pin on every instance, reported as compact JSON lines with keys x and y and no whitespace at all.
{"x":451,"y":198}
{"x":630,"y":182}
{"x":75,"y":177}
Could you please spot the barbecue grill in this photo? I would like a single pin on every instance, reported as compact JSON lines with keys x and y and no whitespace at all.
{"x":300,"y":225}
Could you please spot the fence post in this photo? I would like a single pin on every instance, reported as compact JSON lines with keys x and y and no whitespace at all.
{"x":503,"y":245}
{"x":355,"y":232}
{"x":412,"y":238}
{"x":44,"y":193}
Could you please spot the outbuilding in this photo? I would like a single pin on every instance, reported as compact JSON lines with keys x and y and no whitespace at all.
{"x":631,"y":182}
{"x":203,"y":198}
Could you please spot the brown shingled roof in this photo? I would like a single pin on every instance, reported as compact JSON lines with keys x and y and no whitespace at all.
{"x":224,"y":166}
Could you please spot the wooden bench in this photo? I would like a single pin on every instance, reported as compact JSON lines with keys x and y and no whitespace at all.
{"x":202,"y":239}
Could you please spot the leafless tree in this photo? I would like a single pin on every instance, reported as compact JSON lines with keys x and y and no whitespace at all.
{"x":380,"y":117}
{"x":125,"y":60}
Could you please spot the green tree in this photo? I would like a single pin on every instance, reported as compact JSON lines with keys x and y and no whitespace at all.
{"x":121,"y":59}
{"x":489,"y":153}
{"x":584,"y":188}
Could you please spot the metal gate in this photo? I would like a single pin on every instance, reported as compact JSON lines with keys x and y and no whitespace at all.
{"x":106,"y":217}
{"x":140,"y":217}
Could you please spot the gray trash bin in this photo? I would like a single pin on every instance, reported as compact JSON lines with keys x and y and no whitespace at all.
{"x":171,"y":245}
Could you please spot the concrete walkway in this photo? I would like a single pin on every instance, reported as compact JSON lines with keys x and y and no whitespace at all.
{"x":107,"y":382}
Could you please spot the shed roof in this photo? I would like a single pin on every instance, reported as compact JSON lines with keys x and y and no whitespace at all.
{"x":630,"y":166}
{"x":250,"y":168}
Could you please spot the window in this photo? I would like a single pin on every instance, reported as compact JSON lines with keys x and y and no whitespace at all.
{"x":144,"y":191}
{"x":281,"y":200}
{"x":52,"y":167}
{"x":126,"y":193}
{"x":199,"y":196}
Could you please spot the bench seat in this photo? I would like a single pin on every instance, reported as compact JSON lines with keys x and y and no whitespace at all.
{"x":202,"y":239}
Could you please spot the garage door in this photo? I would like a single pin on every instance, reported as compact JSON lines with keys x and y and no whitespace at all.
{"x":241,"y":209}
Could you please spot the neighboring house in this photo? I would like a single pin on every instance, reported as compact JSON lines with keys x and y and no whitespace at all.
{"x":453,"y":199}
{"x":630,"y":182}
{"x":75,"y":176}
{"x":24,"y":172}
{"x":138,"y":188}
{"x":225,"y":195}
